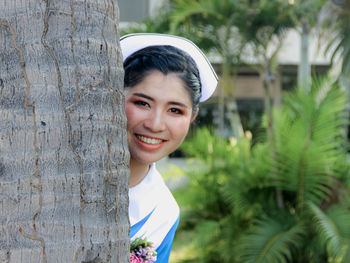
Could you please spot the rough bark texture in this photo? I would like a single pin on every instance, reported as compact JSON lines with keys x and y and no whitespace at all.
{"x":63,"y":149}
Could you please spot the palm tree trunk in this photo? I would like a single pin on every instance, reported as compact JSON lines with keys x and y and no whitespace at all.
{"x":267,"y":78}
{"x":63,"y":159}
{"x":232,"y":108}
{"x":304,"y":69}
{"x":267,"y":84}
{"x":277,"y":92}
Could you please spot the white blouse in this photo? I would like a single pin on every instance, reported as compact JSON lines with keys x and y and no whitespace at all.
{"x":153,"y":213}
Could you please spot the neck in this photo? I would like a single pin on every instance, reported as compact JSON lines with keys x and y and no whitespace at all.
{"x":138,"y":171}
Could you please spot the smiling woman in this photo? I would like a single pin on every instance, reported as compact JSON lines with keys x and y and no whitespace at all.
{"x":157,"y":121}
{"x":165,"y":79}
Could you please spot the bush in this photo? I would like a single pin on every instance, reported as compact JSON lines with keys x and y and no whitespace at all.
{"x":283,"y":201}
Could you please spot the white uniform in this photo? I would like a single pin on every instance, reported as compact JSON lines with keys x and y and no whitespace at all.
{"x":154,"y":213}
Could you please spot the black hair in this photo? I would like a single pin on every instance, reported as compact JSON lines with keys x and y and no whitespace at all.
{"x":166,"y":59}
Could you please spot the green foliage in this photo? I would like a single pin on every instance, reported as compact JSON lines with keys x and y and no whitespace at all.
{"x":231,"y":202}
{"x":214,"y":22}
{"x":139,"y":242}
{"x":307,"y":11}
{"x":336,"y":26}
{"x":266,"y":19}
{"x":233,"y":28}
{"x":308,"y":140}
{"x":334,"y":230}
{"x":271,"y":241}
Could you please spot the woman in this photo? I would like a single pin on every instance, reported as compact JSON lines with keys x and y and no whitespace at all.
{"x":165,"y":79}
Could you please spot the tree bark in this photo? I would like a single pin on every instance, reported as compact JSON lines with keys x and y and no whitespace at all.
{"x":63,"y":147}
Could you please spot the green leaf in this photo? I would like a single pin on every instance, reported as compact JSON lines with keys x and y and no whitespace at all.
{"x":333,"y":227}
{"x":271,"y":241}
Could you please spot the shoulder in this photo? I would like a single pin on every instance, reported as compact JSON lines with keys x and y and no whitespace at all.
{"x":150,"y":193}
{"x":154,"y":206}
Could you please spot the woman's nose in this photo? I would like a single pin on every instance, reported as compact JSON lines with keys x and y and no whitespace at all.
{"x":155,"y":122}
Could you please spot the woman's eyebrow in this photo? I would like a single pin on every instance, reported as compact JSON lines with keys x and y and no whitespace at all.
{"x":178,"y":104}
{"x":143,"y":96}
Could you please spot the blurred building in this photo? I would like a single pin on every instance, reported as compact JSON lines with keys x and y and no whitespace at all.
{"x":136,"y":10}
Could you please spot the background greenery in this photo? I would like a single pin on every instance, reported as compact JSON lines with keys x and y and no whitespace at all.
{"x":230,"y":208}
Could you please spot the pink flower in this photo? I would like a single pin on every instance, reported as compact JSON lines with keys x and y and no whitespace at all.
{"x":135,"y":259}
{"x":141,"y":251}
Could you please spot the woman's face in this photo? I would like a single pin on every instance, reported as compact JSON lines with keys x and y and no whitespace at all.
{"x":159,"y":114}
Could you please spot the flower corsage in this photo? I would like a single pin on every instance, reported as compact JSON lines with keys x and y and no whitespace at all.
{"x":142,"y":251}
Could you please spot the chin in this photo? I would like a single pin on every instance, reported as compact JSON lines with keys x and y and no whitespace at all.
{"x":147,"y":159}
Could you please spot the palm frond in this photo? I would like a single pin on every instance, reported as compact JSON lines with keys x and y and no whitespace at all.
{"x":250,"y":181}
{"x":186,"y":9}
{"x":336,"y":23}
{"x":333,"y":227}
{"x":308,"y":131}
{"x":270,"y":242}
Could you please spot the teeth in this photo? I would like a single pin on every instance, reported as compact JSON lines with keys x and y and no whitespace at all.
{"x":149,"y":140}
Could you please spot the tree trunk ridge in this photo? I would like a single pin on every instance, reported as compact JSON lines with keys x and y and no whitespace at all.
{"x":64,"y":157}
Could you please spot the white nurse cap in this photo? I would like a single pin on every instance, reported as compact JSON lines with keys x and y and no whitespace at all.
{"x":134,"y":42}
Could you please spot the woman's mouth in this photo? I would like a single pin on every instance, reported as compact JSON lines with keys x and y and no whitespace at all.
{"x":148,"y":140}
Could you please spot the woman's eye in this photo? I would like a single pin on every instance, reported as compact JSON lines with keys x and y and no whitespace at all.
{"x":176,"y":111}
{"x":141,"y":103}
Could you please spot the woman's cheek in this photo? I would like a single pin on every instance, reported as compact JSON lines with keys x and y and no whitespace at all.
{"x":182,"y":125}
{"x":130,"y":111}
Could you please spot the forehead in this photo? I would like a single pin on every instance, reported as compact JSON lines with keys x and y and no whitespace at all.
{"x":162,"y":86}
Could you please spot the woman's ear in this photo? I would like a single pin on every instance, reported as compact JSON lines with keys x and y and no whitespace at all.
{"x":194,"y":115}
